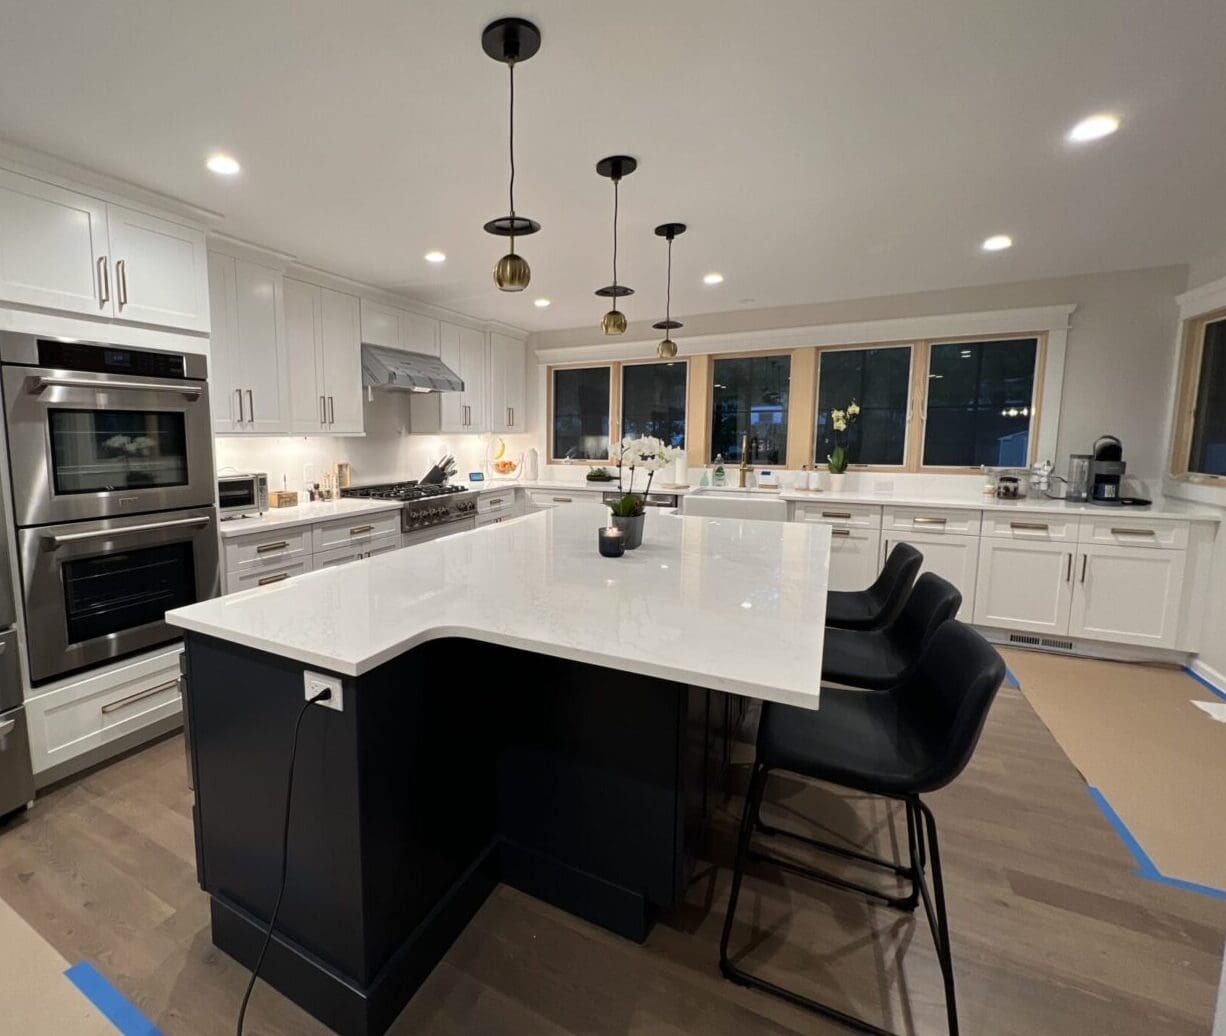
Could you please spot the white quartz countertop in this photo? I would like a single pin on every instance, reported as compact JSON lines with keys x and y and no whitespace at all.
{"x":730,"y":605}
{"x":303,"y":514}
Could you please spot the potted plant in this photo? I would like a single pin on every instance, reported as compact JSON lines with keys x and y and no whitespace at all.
{"x":650,"y":454}
{"x":837,"y":459}
{"x":600,"y":475}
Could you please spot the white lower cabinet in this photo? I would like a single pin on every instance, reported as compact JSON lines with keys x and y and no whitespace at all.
{"x":948,"y":555}
{"x":553,"y":497}
{"x":854,"y":554}
{"x":1025,"y":585}
{"x":1127,"y":594}
{"x":249,"y":579}
{"x":344,"y":555}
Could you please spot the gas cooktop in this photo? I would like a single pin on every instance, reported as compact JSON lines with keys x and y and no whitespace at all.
{"x":403,"y":491}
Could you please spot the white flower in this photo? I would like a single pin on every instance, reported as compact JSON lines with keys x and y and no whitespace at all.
{"x":840,"y":424}
{"x":854,"y":409}
{"x":837,"y":415}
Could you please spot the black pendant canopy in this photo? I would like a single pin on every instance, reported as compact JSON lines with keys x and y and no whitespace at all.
{"x":614,"y":168}
{"x":667,"y":348}
{"x":511,"y":40}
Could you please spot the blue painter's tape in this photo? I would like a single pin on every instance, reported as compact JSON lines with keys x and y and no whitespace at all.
{"x":1205,"y":683}
{"x":117,"y":1008}
{"x":1145,"y":866}
{"x":1012,"y":680}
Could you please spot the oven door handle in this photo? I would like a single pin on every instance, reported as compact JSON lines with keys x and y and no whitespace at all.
{"x":41,"y":382}
{"x":62,"y":539}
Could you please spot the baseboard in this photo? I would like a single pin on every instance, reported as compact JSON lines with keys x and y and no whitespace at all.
{"x":1074,"y":647}
{"x":1215,"y":680}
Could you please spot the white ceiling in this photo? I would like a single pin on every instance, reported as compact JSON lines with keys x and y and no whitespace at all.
{"x":818,"y":150}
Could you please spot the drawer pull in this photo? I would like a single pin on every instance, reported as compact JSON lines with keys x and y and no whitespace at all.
{"x":840,"y":532}
{"x":7,"y":727}
{"x":264,"y":548}
{"x":1030,"y":526}
{"x":562,"y":500}
{"x":1085,"y":560}
{"x":274,"y":579}
{"x":837,"y":514}
{"x":497,"y":503}
{"x":1133,"y":532}
{"x":132,"y":699}
{"x":359,"y":529}
{"x":924,"y":520}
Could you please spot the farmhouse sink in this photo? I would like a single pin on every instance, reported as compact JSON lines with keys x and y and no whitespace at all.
{"x":735,"y":505}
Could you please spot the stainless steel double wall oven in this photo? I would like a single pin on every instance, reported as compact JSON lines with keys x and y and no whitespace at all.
{"x":110,"y":456}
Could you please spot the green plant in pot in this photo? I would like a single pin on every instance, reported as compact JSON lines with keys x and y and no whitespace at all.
{"x":629,"y":513}
{"x":837,"y":459}
{"x":600,"y":475}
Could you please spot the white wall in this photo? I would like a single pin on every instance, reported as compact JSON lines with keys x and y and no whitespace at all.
{"x":388,"y":452}
{"x":1119,"y":364}
{"x":1209,"y":268}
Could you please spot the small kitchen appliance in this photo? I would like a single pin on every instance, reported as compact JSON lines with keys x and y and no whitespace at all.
{"x":239,"y":495}
{"x":1078,"y":485}
{"x":1107,"y":470}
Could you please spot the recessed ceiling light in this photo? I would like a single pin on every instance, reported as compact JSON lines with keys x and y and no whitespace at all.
{"x":223,"y":164}
{"x":997,"y":243}
{"x":713,"y":278}
{"x":436,"y":257}
{"x":541,"y":303}
{"x":1094,"y":127}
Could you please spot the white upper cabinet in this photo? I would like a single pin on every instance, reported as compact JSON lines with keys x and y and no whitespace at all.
{"x":159,"y":271}
{"x":505,"y":385}
{"x":63,"y":250}
{"x":325,"y":359}
{"x":463,"y":349}
{"x":398,"y":328}
{"x":250,"y":367}
{"x":53,"y":249}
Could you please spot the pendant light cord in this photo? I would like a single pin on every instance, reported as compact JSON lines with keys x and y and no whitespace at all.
{"x":511,"y":150}
{"x":615,"y":185}
{"x":668,"y":288}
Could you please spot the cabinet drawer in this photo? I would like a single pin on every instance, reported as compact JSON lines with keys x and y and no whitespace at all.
{"x":1123,"y":530}
{"x":1036,"y":526}
{"x":248,"y":578}
{"x":78,"y":717}
{"x":348,"y":553}
{"x":262,"y":550}
{"x":361,"y":528}
{"x":857,"y":516}
{"x":554,"y":497}
{"x":500,"y":503}
{"x":930,"y":520}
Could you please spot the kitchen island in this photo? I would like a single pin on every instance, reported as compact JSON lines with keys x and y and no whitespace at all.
{"x":514,"y":707}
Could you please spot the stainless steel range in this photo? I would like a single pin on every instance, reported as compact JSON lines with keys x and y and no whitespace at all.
{"x":429,"y":511}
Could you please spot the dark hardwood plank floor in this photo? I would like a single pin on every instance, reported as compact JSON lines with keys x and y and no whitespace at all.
{"x":1052,"y":932}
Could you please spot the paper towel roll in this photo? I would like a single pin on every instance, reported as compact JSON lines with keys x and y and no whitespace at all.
{"x":682,"y":473}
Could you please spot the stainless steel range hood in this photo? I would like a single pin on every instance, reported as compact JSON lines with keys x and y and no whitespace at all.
{"x":384,"y":368}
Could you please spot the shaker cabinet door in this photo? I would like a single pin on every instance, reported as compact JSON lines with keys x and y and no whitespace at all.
{"x":303,"y":346}
{"x":1128,"y":594}
{"x":160,"y":270}
{"x":340,"y":361}
{"x":1025,"y":585}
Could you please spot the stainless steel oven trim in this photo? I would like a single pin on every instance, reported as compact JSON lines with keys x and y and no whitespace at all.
{"x":29,"y":392}
{"x":43,"y":552}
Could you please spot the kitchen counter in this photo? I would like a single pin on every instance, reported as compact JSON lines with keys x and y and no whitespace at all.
{"x":728,"y":605}
{"x":304,"y":514}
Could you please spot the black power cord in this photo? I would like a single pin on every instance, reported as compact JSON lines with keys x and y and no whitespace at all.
{"x":323,"y":695}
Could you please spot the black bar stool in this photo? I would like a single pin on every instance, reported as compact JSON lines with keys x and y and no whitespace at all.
{"x":899,"y":744}
{"x":883,"y":658}
{"x":880,"y":604}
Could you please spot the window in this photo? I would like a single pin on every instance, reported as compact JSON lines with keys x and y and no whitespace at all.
{"x":1207,"y":455}
{"x":581,"y":407}
{"x":980,"y":407}
{"x":879,"y":380}
{"x":750,"y":397}
{"x":653,"y":401}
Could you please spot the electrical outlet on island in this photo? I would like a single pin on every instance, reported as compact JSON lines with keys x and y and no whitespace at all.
{"x":315,"y":682}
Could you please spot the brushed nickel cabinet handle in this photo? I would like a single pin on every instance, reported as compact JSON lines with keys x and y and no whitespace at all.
{"x":239,"y":394}
{"x":132,"y":699}
{"x":274,"y":579}
{"x":562,"y":500}
{"x":121,"y":275}
{"x":264,"y":548}
{"x":1133,"y":532}
{"x":104,"y":281}
{"x":1030,"y":526}
{"x":331,"y":411}
{"x":837,"y":514}
{"x":924,"y":520}
{"x":497,"y":502}
{"x":323,"y":410}
{"x":1068,"y":572}
{"x":1085,"y":558}
{"x":840,"y":532}
{"x":360,"y":529}
{"x":250,"y":405}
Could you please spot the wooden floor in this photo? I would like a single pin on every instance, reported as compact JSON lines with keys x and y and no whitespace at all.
{"x":1052,"y":933}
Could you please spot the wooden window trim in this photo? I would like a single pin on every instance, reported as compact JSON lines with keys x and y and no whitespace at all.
{"x":1184,"y":427}
{"x":920,"y":384}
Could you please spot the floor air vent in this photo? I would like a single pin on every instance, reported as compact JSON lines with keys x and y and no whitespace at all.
{"x":1063,"y":645}
{"x":1047,"y":642}
{"x":1021,"y":638}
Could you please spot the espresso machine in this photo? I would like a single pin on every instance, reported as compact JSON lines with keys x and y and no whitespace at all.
{"x":1107,"y":470}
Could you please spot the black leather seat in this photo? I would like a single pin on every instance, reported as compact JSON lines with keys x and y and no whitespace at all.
{"x":899,"y":743}
{"x":882,"y":658}
{"x":880,"y":604}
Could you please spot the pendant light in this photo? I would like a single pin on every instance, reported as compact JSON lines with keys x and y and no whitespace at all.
{"x":511,"y":40}
{"x":614,"y":168}
{"x":667,"y":348}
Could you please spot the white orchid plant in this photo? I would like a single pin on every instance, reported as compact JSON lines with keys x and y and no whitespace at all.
{"x":648,"y":453}
{"x":840,"y":421}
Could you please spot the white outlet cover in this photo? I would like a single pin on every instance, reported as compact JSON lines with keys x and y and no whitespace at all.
{"x":313,"y":683}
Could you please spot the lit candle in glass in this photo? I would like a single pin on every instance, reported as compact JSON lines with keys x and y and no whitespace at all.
{"x":612,"y":544}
